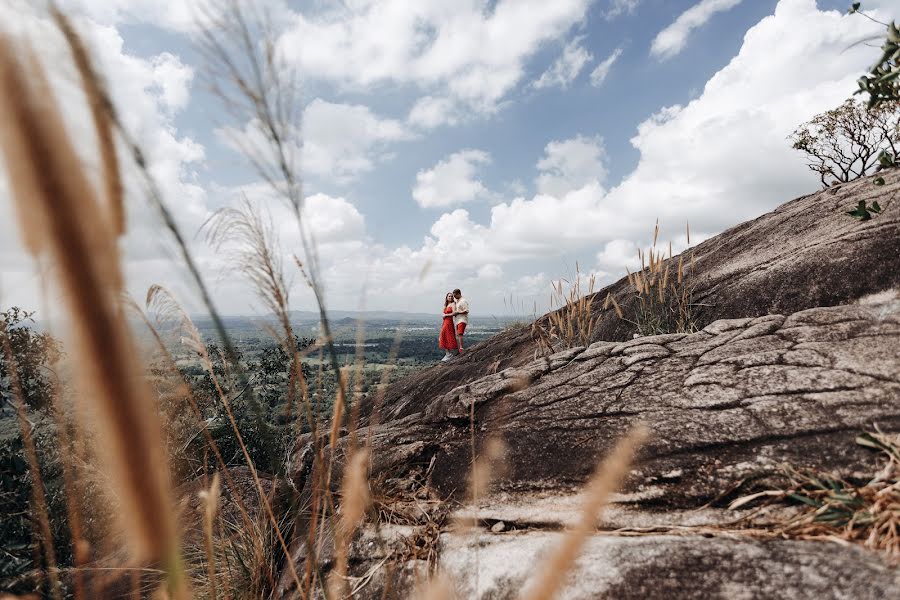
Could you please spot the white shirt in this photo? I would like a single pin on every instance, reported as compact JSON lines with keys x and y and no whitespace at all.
{"x":461,"y":305}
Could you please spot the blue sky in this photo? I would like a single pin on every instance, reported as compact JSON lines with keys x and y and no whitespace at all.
{"x":500,"y":142}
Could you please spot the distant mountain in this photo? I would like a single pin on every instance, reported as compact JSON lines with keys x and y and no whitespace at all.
{"x":347,"y":318}
{"x":356,"y":315}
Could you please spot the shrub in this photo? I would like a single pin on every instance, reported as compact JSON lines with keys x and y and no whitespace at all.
{"x":33,"y":354}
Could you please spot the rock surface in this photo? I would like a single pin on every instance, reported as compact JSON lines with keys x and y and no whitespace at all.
{"x":672,"y":567}
{"x":726,"y":406}
{"x":799,"y":352}
{"x":807,"y":253}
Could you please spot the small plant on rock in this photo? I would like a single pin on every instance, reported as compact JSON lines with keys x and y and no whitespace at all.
{"x":572,"y":323}
{"x":663,"y":291}
{"x":863,"y":211}
{"x":866,"y":512}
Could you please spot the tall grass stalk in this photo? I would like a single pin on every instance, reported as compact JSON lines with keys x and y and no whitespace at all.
{"x":210,"y":500}
{"x":571,"y":320}
{"x":355,"y":498}
{"x":226,"y":404}
{"x":100,"y":103}
{"x":63,"y":219}
{"x":663,"y":291}
{"x":244,"y":70}
{"x":607,"y":478}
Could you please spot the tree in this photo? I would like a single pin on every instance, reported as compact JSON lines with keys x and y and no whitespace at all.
{"x":33,"y":353}
{"x":849,"y":141}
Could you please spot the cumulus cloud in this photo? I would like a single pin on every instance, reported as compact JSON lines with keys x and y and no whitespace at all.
{"x":342,"y":141}
{"x":452,"y":181}
{"x":566,"y":68}
{"x":618,"y":255}
{"x":718,"y":160}
{"x":465,"y":50}
{"x":571,"y":164}
{"x":601,"y":71}
{"x":150,"y":92}
{"x":672,"y":40}
{"x":687,"y":170}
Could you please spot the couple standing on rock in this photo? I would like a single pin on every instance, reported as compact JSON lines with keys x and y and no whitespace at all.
{"x":456,"y":317}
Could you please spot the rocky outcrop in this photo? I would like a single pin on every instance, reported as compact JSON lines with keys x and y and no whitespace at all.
{"x":726,"y":406}
{"x":807,"y":253}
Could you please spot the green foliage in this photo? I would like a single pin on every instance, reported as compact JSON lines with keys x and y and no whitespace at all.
{"x":261,"y":412}
{"x":864,"y":212}
{"x":882,"y":82}
{"x":33,"y":354}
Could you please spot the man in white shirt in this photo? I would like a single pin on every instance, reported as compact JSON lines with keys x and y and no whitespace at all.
{"x":460,"y":317}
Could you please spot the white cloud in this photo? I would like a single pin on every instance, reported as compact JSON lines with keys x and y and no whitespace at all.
{"x":687,"y":169}
{"x":601,"y":71}
{"x":687,"y":172}
{"x":617,"y":255}
{"x":149,"y":92}
{"x":463,"y":49}
{"x":177,"y":16}
{"x":620,"y":7}
{"x":672,"y":40}
{"x":717,"y":161}
{"x":342,"y":141}
{"x":571,"y":164}
{"x":451,"y":181}
{"x":173,"y":15}
{"x":566,"y":68}
{"x":531,"y":285}
{"x":173,"y":79}
{"x":490,"y":272}
{"x":332,"y":219}
{"x":429,"y":112}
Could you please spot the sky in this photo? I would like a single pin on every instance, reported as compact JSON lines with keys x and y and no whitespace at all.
{"x":494,"y":146}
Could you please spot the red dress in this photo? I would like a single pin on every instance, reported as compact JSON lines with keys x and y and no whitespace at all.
{"x":448,"y":334}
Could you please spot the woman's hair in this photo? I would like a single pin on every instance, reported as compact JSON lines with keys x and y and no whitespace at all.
{"x":446,"y":298}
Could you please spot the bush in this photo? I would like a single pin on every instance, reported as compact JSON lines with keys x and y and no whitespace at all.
{"x":33,"y":353}
{"x":259,"y":409}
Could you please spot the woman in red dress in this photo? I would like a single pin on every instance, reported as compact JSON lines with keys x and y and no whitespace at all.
{"x":448,"y":334}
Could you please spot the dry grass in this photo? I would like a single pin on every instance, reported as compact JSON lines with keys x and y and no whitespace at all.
{"x":833,"y":508}
{"x":76,"y":228}
{"x":571,"y":320}
{"x":355,"y":499}
{"x":608,"y":477}
{"x":663,"y":292}
{"x":38,"y":498}
{"x":66,"y":223}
